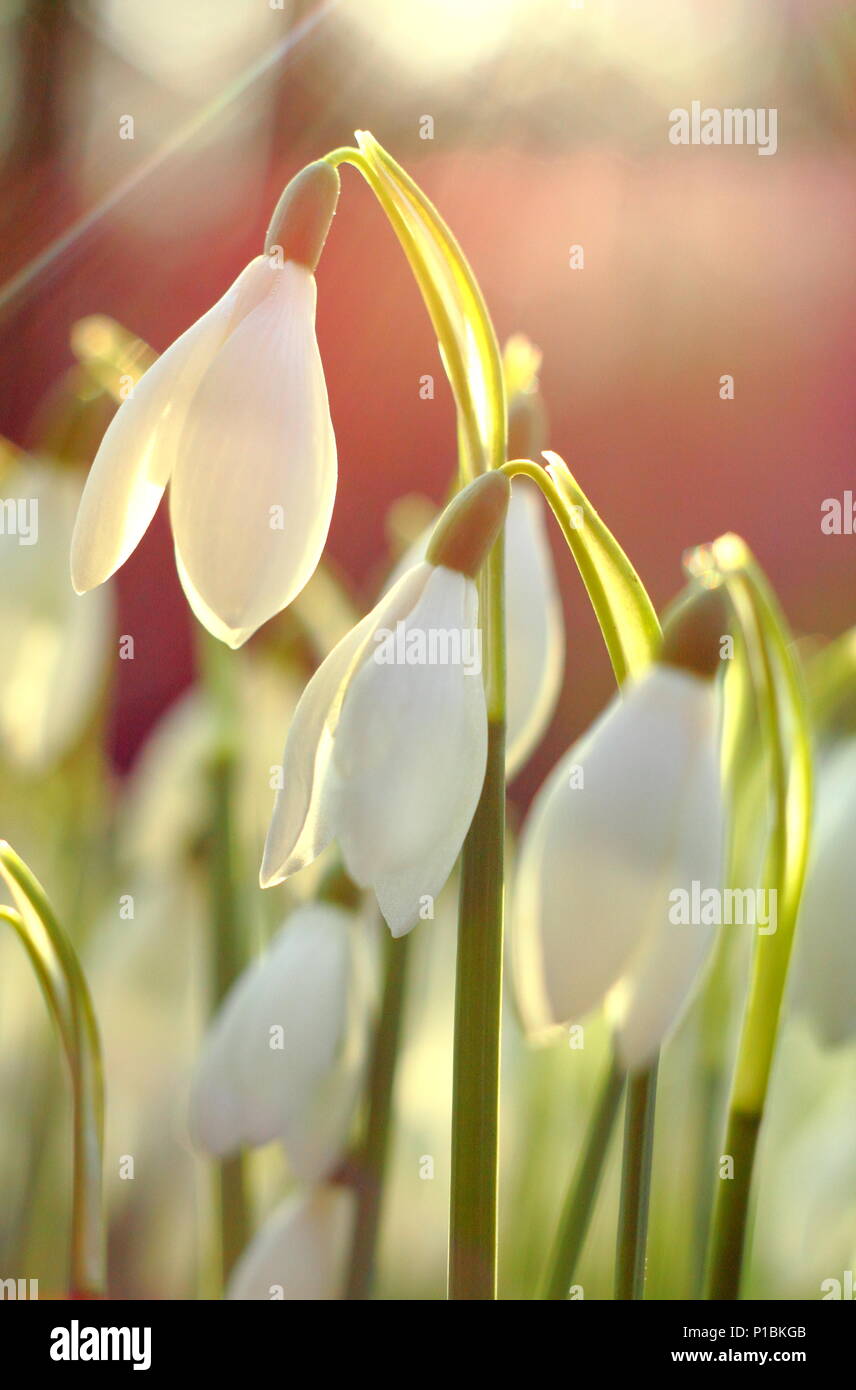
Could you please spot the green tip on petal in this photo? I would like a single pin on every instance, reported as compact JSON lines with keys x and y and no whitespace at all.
{"x":470,"y":525}
{"x":302,"y":217}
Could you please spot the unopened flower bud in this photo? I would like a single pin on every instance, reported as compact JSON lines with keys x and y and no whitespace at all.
{"x":302,"y":217}
{"x":693,"y":632}
{"x":470,"y":524}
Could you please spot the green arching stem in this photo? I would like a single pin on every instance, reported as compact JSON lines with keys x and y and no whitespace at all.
{"x":583,"y":1189}
{"x":453,"y":360}
{"x":216,"y":669}
{"x":478,"y":1000}
{"x":367,"y":1170}
{"x":67,"y":995}
{"x":635,"y":1183}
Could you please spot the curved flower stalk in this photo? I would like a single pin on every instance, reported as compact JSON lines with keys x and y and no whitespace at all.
{"x":387,"y":749}
{"x":53,"y":648}
{"x":825,"y":948}
{"x":283,"y":1057}
{"x":234,"y":416}
{"x":631,"y":816}
{"x":300,"y":1251}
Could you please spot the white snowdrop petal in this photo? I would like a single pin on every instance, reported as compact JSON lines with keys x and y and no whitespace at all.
{"x":667,"y":970}
{"x":277,"y":1035}
{"x":825,"y":949}
{"x":300,"y":1251}
{"x":252,"y":492}
{"x":592,"y":856}
{"x":411,"y":747}
{"x":300,"y":828}
{"x":534,"y":622}
{"x":139,"y":449}
{"x":534,"y":625}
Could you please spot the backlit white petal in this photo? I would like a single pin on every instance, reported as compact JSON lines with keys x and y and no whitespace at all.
{"x":276,"y":1038}
{"x":410,"y":752}
{"x":252,"y":492}
{"x":534,"y":624}
{"x":139,"y":449}
{"x":300,"y":828}
{"x":651,"y":997}
{"x":300,"y":1251}
{"x":598,"y":860}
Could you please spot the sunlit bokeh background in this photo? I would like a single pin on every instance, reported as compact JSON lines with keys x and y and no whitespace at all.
{"x":535,"y":126}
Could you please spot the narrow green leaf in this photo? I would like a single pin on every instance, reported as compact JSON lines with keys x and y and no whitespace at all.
{"x":61,"y":978}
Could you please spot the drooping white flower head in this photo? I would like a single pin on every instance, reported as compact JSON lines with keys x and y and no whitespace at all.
{"x":283,"y":1056}
{"x":825,"y":947}
{"x":534,"y":623}
{"x":234,"y":416}
{"x":631,"y":814}
{"x":300,"y":1251}
{"x":388,"y":746}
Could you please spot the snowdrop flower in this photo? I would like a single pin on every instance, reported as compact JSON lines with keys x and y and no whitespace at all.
{"x":631,"y":813}
{"x":54,"y":649}
{"x":234,"y":416}
{"x":283,"y":1056}
{"x":825,"y":963}
{"x":534,"y":622}
{"x":388,"y":746}
{"x":300,"y":1251}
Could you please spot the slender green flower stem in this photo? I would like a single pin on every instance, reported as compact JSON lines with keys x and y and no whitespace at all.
{"x":475,"y":1099}
{"x":582,"y":1193}
{"x":226,"y":952}
{"x":371,"y":1160}
{"x":732,"y":1207}
{"x":635,"y":1183}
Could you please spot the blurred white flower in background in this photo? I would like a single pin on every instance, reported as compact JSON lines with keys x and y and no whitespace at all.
{"x":299,"y":1253}
{"x":54,"y":649}
{"x":631,"y":813}
{"x":824,"y":978}
{"x":283,"y":1057}
{"x":534,"y":626}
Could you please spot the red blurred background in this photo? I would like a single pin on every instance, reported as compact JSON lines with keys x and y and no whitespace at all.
{"x":550,"y":130}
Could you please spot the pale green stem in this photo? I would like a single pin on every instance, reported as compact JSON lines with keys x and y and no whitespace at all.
{"x":639,"y":1118}
{"x":368,"y":1168}
{"x":227,"y":956}
{"x":584,"y":1186}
